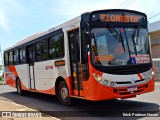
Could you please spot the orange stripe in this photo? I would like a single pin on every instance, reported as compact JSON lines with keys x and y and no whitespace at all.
{"x":140,"y":76}
{"x":75,"y":92}
{"x":49,"y":91}
{"x":13,"y":70}
{"x":10,"y":81}
{"x":69,"y":84}
{"x":23,"y":86}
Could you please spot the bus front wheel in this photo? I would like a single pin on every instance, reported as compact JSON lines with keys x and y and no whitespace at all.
{"x":63,"y":93}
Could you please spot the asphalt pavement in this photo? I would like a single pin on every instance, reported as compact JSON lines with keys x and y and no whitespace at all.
{"x":87,"y":110}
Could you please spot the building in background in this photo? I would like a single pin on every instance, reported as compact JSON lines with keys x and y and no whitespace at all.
{"x":154,"y":32}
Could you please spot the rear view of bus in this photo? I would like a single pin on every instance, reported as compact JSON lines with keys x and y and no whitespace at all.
{"x":119,"y":60}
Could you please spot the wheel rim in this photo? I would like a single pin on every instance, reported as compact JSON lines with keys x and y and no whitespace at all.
{"x":64,"y":93}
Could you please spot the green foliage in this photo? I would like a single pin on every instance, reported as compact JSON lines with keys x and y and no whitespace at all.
{"x":0,"y":80}
{"x":0,"y":67}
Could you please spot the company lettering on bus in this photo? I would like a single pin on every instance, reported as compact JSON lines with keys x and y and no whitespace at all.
{"x":119,"y":18}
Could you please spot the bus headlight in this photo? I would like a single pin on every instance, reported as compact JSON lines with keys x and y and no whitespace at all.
{"x":152,"y":73}
{"x":112,"y":84}
{"x":99,"y":78}
{"x":150,"y":76}
{"x":147,"y":79}
{"x":105,"y":82}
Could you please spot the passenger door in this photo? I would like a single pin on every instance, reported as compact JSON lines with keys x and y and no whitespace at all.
{"x":30,"y":58}
{"x":75,"y":65}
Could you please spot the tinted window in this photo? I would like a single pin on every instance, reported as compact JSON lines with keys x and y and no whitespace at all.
{"x":30,"y":53}
{"x":44,"y":50}
{"x":22,"y":55}
{"x":119,"y":46}
{"x":38,"y":51}
{"x":6,"y":58}
{"x":84,"y":49}
{"x":10,"y":58}
{"x":56,"y":46}
{"x":16,"y":57}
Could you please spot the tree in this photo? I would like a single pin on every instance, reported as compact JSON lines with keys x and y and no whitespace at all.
{"x":0,"y":67}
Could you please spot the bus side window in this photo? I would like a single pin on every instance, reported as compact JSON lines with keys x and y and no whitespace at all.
{"x":6,"y":59}
{"x":16,"y":57}
{"x":22,"y":55}
{"x":56,"y":46}
{"x":10,"y":58}
{"x":38,"y":51}
{"x":44,"y":49}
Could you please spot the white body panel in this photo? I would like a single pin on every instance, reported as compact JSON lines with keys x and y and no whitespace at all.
{"x":23,"y":73}
{"x":31,"y":78}
{"x":127,"y":80}
{"x":45,"y":78}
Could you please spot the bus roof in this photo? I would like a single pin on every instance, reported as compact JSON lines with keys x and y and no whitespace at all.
{"x":62,"y":26}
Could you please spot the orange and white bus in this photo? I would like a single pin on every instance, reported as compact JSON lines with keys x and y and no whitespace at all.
{"x":98,"y":55}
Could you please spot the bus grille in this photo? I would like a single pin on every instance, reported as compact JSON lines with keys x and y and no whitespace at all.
{"x":124,"y":91}
{"x":129,"y":82}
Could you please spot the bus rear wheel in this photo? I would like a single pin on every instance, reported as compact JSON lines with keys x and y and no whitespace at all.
{"x":19,"y":88}
{"x":63,"y":93}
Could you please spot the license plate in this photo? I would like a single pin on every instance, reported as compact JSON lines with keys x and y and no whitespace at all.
{"x":133,"y":88}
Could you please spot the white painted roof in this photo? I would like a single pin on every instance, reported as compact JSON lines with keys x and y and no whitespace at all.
{"x":152,"y":27}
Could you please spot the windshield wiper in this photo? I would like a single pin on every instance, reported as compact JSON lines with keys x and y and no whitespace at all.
{"x":127,"y":42}
{"x":122,"y":42}
{"x":117,"y":35}
{"x":134,"y":45}
{"x":136,"y":35}
{"x":135,"y":39}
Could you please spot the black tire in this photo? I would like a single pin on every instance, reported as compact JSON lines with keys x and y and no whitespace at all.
{"x":19,"y":88}
{"x":63,"y":94}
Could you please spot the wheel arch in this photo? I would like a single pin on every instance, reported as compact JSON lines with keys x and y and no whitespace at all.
{"x":58,"y":80}
{"x":68,"y":82}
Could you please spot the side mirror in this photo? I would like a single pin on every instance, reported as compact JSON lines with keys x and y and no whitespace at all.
{"x":87,"y":38}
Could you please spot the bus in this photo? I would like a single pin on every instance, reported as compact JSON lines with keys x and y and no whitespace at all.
{"x":99,"y":55}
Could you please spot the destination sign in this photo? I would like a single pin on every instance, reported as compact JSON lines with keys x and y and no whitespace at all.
{"x":119,"y":18}
{"x":124,"y":17}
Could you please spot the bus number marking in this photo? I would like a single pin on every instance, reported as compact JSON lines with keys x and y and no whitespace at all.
{"x":49,"y":67}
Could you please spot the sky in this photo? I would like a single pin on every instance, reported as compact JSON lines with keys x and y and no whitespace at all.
{"x":22,"y":18}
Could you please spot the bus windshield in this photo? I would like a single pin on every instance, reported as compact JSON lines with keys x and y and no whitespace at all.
{"x":119,"y":46}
